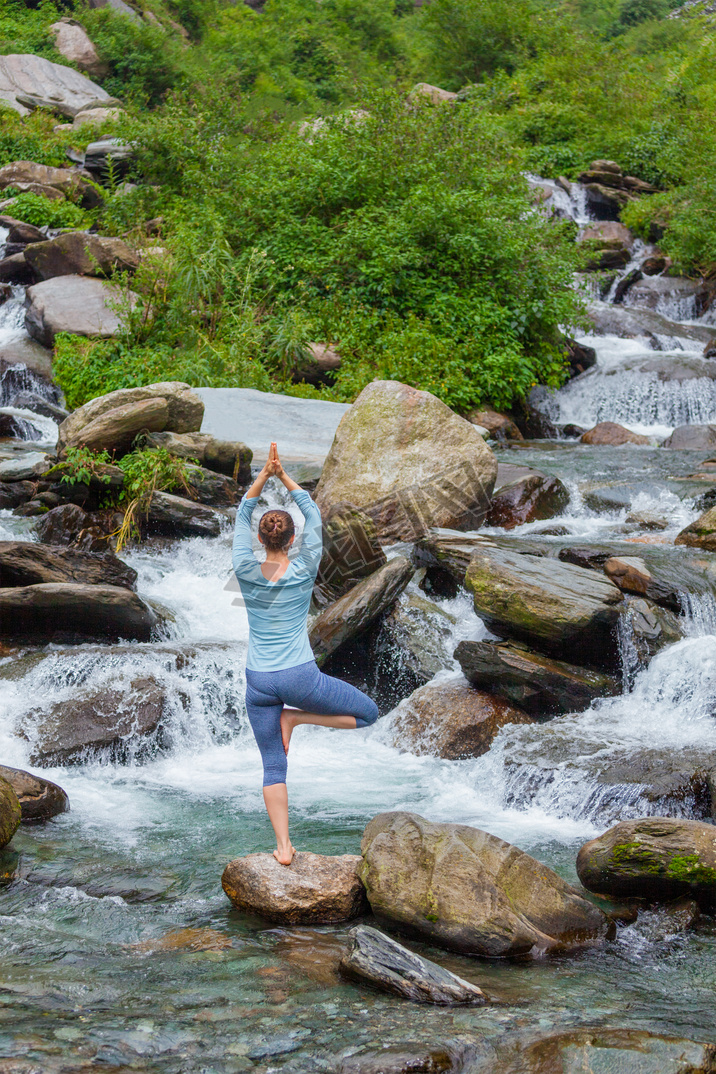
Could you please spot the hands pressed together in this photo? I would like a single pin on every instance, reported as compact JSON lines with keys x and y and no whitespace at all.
{"x":272,"y":468}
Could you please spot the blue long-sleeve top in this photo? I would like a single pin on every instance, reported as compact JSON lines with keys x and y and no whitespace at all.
{"x":278,"y":611}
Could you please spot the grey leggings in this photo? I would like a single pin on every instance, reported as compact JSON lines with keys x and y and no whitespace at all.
{"x":303,"y":687}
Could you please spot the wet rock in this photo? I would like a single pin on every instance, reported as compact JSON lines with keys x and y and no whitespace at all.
{"x":451,"y":720}
{"x":608,"y":432}
{"x":62,"y":524}
{"x":20,"y":232}
{"x":632,"y":323}
{"x":386,"y":964}
{"x":314,"y":889}
{"x":16,"y":269}
{"x":612,"y":244}
{"x":563,"y":610}
{"x":446,"y":558}
{"x":9,"y":812}
{"x":413,"y":643}
{"x":523,"y":495}
{"x":13,"y":427}
{"x":77,"y":304}
{"x":632,"y":575}
{"x":56,"y":183}
{"x":212,"y":489}
{"x":176,"y":516}
{"x":27,"y":563}
{"x":57,"y":611}
{"x":409,"y":462}
{"x":580,"y":357}
{"x":655,"y":264}
{"x":540,"y":686}
{"x":39,"y":798}
{"x":655,"y":858}
{"x":471,"y":892}
{"x":649,"y":629}
{"x":32,"y":401}
{"x":72,"y":42}
{"x":701,"y":533}
{"x":81,"y":253}
{"x":590,"y":558}
{"x":405,"y":1058}
{"x":184,"y":415}
{"x":14,"y":493}
{"x":691,"y":297}
{"x":533,"y":419}
{"x":351,"y":550}
{"x":353,"y":613}
{"x":65,"y":90}
{"x":229,"y":457}
{"x":116,"y":724}
{"x":607,"y":1051}
{"x":23,"y":351}
{"x":499,"y":426}
{"x":692,"y":438}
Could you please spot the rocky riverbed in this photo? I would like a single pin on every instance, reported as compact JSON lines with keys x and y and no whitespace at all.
{"x":535,"y":618}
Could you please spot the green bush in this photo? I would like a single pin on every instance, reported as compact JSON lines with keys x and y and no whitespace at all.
{"x":32,"y":138}
{"x":26,"y":29}
{"x":42,"y":212}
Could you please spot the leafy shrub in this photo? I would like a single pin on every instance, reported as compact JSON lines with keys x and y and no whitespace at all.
{"x":26,"y":29}
{"x":32,"y":138}
{"x":42,"y":212}
{"x":148,"y":470}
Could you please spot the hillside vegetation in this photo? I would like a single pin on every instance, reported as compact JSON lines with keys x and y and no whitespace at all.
{"x":298,"y":194}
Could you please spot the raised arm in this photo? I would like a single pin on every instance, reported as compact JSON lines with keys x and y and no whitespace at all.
{"x":312,"y":538}
{"x":242,"y":553}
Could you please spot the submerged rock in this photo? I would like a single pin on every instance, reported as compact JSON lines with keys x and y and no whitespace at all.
{"x":452,"y":720}
{"x":568,"y":612}
{"x":405,"y":1058}
{"x":314,"y":889}
{"x":353,"y":613}
{"x":608,"y":432}
{"x":605,"y":1051}
{"x":117,"y":724}
{"x":28,"y":563}
{"x":39,"y":798}
{"x":409,"y":462}
{"x":184,"y":414}
{"x":539,"y":685}
{"x":701,"y":533}
{"x":386,"y":964}
{"x":657,"y":858}
{"x":60,"y":611}
{"x":632,"y":323}
{"x":471,"y":892}
{"x":524,"y":495}
{"x":9,"y":812}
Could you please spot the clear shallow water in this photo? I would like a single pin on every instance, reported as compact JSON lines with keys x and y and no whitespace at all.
{"x":98,"y":964}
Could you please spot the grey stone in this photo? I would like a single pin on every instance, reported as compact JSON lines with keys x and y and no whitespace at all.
{"x":57,"y":610}
{"x":77,"y":304}
{"x":64,"y":89}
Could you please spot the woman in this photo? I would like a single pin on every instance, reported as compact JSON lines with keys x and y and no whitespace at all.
{"x":280,"y":668}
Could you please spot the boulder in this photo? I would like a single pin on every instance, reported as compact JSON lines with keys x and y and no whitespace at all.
{"x":212,"y":489}
{"x":118,"y":725}
{"x":612,"y":244}
{"x":499,"y":426}
{"x":27,"y":563}
{"x":580,"y":357}
{"x":523,"y":495}
{"x":390,"y":967}
{"x":20,"y":232}
{"x":563,"y":610}
{"x":72,"y":42}
{"x":608,"y":432}
{"x":98,"y":116}
{"x":446,"y":557}
{"x":701,"y":533}
{"x":451,"y":720}
{"x":435,"y":94}
{"x":80,"y":253}
{"x":678,"y":297}
{"x":53,"y":183}
{"x":16,"y":269}
{"x":54,"y":611}
{"x":39,"y":798}
{"x":27,"y":467}
{"x":409,"y":462}
{"x":175,"y":516}
{"x":65,"y":90}
{"x":23,"y":351}
{"x":314,"y":889}
{"x":15,"y":493}
{"x":115,"y":430}
{"x":63,"y":524}
{"x":353,"y":613}
{"x":185,"y":408}
{"x":119,"y":6}
{"x":606,"y":1051}
{"x":78,"y":304}
{"x":655,"y":858}
{"x":632,"y":575}
{"x":318,"y":366}
{"x":230,"y":457}
{"x":540,"y":686}
{"x":413,"y":644}
{"x":9,"y":812}
{"x":468,"y":891}
{"x":99,"y":154}
{"x":692,"y":438}
{"x":351,"y":550}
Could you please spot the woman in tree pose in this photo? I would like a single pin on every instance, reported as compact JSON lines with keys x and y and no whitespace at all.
{"x":280,"y":668}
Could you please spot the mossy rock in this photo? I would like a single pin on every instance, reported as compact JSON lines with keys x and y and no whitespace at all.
{"x":657,"y":859}
{"x":10,"y":813}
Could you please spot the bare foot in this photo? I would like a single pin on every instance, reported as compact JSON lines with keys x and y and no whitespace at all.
{"x":288,"y":722}
{"x":285,"y":857}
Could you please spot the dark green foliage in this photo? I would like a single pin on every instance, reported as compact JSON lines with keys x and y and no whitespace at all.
{"x":42,"y":212}
{"x":25,"y":28}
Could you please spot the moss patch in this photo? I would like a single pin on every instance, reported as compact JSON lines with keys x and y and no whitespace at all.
{"x":689,"y":869}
